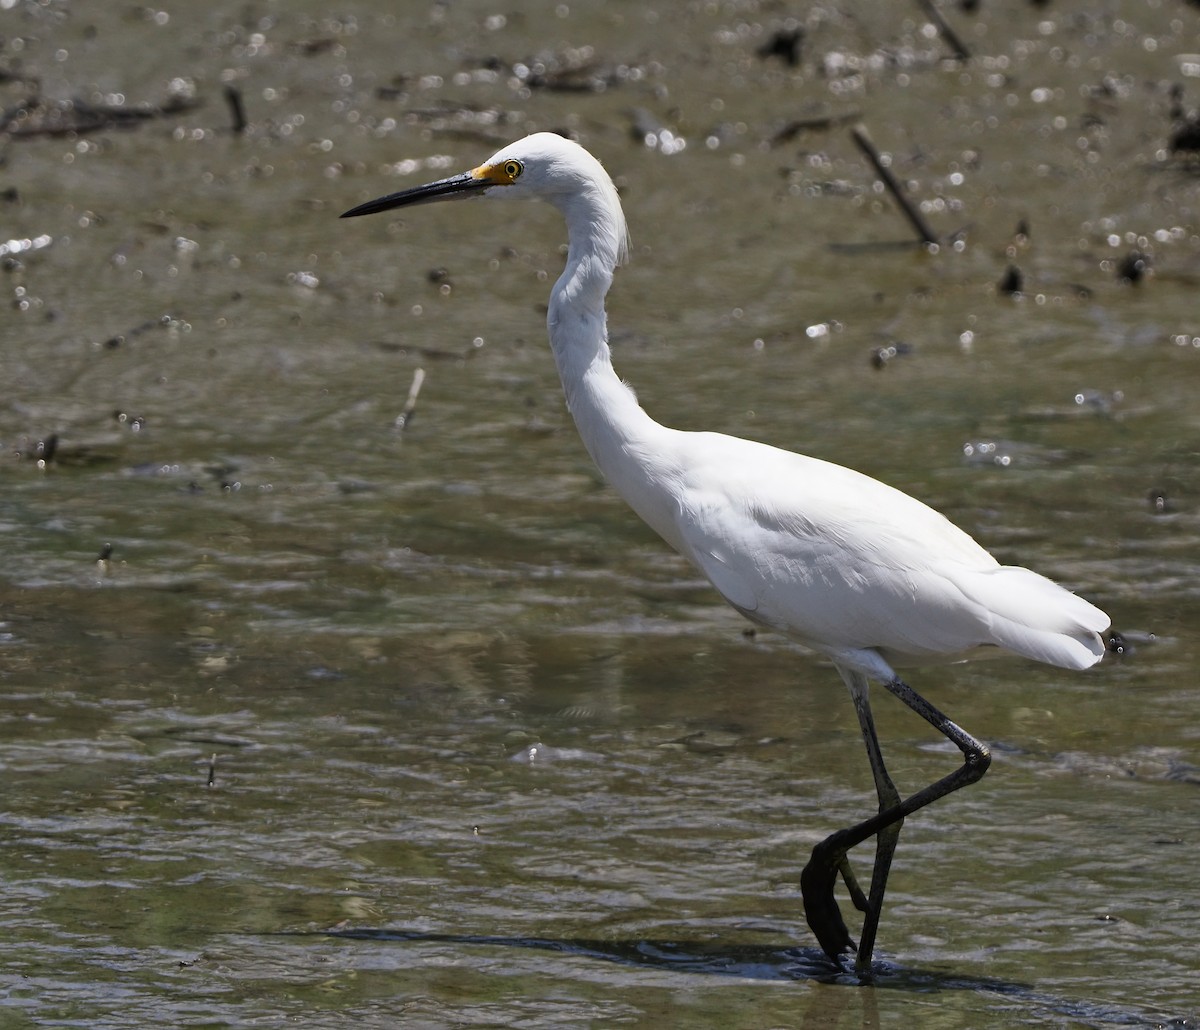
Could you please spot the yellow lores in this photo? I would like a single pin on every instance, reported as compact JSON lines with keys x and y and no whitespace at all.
{"x":499,"y":173}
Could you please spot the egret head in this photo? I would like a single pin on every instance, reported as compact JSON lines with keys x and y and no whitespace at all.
{"x":544,"y":166}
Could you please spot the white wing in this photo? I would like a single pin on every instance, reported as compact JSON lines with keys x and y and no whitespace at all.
{"x":844,"y":562}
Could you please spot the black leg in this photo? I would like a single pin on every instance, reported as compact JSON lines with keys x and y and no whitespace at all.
{"x":888,"y":837}
{"x":819,"y":879}
{"x":829,"y":858}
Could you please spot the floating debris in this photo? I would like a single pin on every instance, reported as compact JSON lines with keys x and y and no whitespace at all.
{"x":1012,"y":282}
{"x":651,"y":133}
{"x":785,"y":43}
{"x":1185,"y":138}
{"x":1102,"y":401}
{"x":410,"y":405}
{"x":45,"y":450}
{"x":880,"y":356}
{"x":50,"y":451}
{"x":309,"y":280}
{"x":987,"y":452}
{"x":1157,"y":497}
{"x":135,"y":423}
{"x":1133,"y":267}
{"x":543,"y":754}
{"x":162,"y":322}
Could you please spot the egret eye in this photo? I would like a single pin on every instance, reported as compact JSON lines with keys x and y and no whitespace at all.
{"x":513,"y":170}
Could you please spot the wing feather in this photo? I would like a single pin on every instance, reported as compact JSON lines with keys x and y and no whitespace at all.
{"x":844,"y":562}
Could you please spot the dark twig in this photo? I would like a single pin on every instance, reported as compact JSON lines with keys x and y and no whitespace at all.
{"x":889,"y":180}
{"x":947,"y":33}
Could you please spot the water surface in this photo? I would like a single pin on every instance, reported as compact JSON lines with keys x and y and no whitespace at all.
{"x":309,"y":718}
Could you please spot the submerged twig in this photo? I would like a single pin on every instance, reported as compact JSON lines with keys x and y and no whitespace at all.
{"x":889,"y":180}
{"x":410,"y":405}
{"x":38,"y":117}
{"x":814,"y":123}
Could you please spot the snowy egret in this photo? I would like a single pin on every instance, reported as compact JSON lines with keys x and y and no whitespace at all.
{"x":848,"y":566}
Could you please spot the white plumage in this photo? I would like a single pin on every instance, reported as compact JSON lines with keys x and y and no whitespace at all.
{"x":845,"y":564}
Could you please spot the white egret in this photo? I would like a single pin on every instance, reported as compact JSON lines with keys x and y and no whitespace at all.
{"x":848,"y":566}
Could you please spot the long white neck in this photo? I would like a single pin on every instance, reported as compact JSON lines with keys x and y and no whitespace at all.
{"x":628,"y":446}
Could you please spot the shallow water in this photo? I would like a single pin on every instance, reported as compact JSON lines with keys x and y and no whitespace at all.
{"x":308,"y":718}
